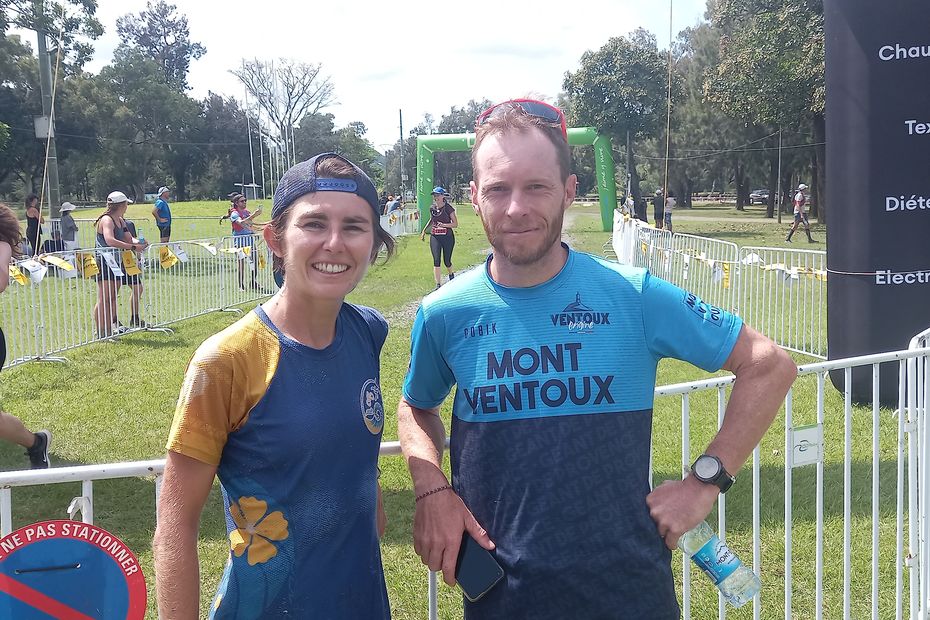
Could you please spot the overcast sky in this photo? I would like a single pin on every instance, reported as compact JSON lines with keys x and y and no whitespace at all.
{"x":418,"y":56}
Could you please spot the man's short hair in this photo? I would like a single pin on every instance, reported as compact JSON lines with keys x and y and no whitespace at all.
{"x":514,"y":120}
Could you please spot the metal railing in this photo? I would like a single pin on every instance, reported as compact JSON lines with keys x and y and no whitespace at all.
{"x":780,"y":292}
{"x":54,"y":309}
{"x":57,"y":309}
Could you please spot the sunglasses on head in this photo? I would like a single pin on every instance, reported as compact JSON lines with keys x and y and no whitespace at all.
{"x":530,"y":107}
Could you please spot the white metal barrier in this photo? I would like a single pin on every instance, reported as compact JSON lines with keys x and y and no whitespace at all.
{"x":780,"y":292}
{"x":54,"y":312}
{"x":809,"y":418}
{"x":53,"y":308}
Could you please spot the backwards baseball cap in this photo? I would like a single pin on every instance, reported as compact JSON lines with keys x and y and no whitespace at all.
{"x":67,"y":206}
{"x":439,"y":190}
{"x":162,"y":190}
{"x":802,"y":186}
{"x":117,"y":197}
{"x":302,"y":179}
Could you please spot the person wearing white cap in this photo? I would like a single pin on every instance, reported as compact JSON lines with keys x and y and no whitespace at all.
{"x":68,"y":227}
{"x":162,"y":213}
{"x":112,"y":232}
{"x":800,"y":215}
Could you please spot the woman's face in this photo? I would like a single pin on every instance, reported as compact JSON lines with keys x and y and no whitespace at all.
{"x":33,"y":203}
{"x":327,"y":244}
{"x":437,"y":200}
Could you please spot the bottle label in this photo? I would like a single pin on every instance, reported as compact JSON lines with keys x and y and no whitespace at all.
{"x":716,"y":559}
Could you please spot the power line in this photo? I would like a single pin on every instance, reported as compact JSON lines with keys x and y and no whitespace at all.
{"x":733,"y":150}
{"x":132,"y":142}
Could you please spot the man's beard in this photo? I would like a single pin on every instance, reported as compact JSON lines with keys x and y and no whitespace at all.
{"x":527,"y":256}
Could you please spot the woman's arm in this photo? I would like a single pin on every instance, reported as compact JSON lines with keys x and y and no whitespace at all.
{"x":455,"y":221}
{"x":6,"y":252}
{"x":184,"y":492}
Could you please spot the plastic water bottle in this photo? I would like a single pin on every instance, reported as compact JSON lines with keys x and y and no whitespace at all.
{"x":735,"y":580}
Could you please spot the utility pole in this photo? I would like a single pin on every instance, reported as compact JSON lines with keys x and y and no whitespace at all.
{"x":52,"y":190}
{"x":778,"y":182}
{"x":403,"y":173}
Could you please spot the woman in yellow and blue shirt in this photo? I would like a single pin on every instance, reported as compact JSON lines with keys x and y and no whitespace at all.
{"x":285,"y":408}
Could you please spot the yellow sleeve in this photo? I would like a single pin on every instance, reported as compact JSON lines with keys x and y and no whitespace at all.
{"x":225,"y":379}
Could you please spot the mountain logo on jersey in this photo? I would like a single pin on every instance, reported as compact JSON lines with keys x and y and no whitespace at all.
{"x":579,"y":318}
{"x":372,"y":407}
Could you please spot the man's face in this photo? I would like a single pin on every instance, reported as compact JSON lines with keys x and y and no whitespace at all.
{"x":520,"y":195}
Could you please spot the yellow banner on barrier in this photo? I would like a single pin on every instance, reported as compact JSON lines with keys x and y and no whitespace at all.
{"x":87,"y":264}
{"x":261,"y":260}
{"x":18,"y":275}
{"x":130,"y":268}
{"x":57,"y":261}
{"x":167,"y":258}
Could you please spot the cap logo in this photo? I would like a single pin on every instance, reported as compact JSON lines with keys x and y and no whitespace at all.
{"x":336,"y":185}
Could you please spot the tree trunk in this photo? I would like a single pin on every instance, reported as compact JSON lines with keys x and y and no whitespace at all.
{"x":819,"y":182}
{"x":180,"y":184}
{"x":739,"y":179}
{"x":773,"y":185}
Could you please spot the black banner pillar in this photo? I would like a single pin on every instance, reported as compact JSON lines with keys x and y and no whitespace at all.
{"x":878,"y":175}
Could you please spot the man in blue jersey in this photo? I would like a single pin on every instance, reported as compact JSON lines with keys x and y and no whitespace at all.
{"x":162,"y":214}
{"x":553,"y":354}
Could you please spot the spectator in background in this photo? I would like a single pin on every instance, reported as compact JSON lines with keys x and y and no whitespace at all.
{"x":800,"y":214}
{"x":112,"y":236}
{"x":670,"y":203}
{"x":243,"y":230}
{"x":387,"y":205}
{"x":11,"y":428}
{"x":68,"y":227}
{"x":34,"y":220}
{"x":135,"y":282}
{"x":162,"y":213}
{"x":658,"y":209}
{"x":55,"y":244}
{"x":396,"y":205}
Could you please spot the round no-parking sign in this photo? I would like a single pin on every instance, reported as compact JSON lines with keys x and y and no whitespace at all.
{"x":69,"y":570}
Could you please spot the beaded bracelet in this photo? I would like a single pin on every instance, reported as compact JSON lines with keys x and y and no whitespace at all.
{"x":444,"y":487}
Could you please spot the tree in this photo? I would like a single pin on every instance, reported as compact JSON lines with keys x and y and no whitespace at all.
{"x":771,"y":68}
{"x":286,"y":91}
{"x":73,"y":20}
{"x":620,"y":89}
{"x":163,"y":37}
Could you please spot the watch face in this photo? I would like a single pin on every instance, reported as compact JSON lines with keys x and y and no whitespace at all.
{"x":706,"y":468}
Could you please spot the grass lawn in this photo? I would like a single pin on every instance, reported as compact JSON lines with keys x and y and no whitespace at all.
{"x":114,"y":402}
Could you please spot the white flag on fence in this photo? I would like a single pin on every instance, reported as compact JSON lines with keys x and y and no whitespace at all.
{"x":35,"y":269}
{"x":110,"y":259}
{"x":181,"y":254}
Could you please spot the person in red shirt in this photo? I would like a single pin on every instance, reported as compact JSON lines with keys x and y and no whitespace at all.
{"x":442,"y":220}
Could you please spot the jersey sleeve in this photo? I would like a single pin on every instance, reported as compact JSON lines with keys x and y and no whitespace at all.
{"x":429,"y":378}
{"x":680,"y":325}
{"x":378,"y":327}
{"x":226,"y":377}
{"x":235,"y":217}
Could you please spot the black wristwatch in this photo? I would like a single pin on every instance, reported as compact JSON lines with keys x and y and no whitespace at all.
{"x":709,"y":470}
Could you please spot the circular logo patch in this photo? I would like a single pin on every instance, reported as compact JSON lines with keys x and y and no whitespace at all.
{"x":69,"y":569}
{"x":372,"y":408}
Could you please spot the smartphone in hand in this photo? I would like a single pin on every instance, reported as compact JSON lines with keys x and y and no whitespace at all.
{"x":476,"y":570}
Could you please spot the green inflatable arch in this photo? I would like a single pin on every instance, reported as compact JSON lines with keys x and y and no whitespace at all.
{"x":577,"y":136}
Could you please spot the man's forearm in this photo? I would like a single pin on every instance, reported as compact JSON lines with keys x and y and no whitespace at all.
{"x":177,"y":575}
{"x":422,"y":439}
{"x":757,"y":394}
